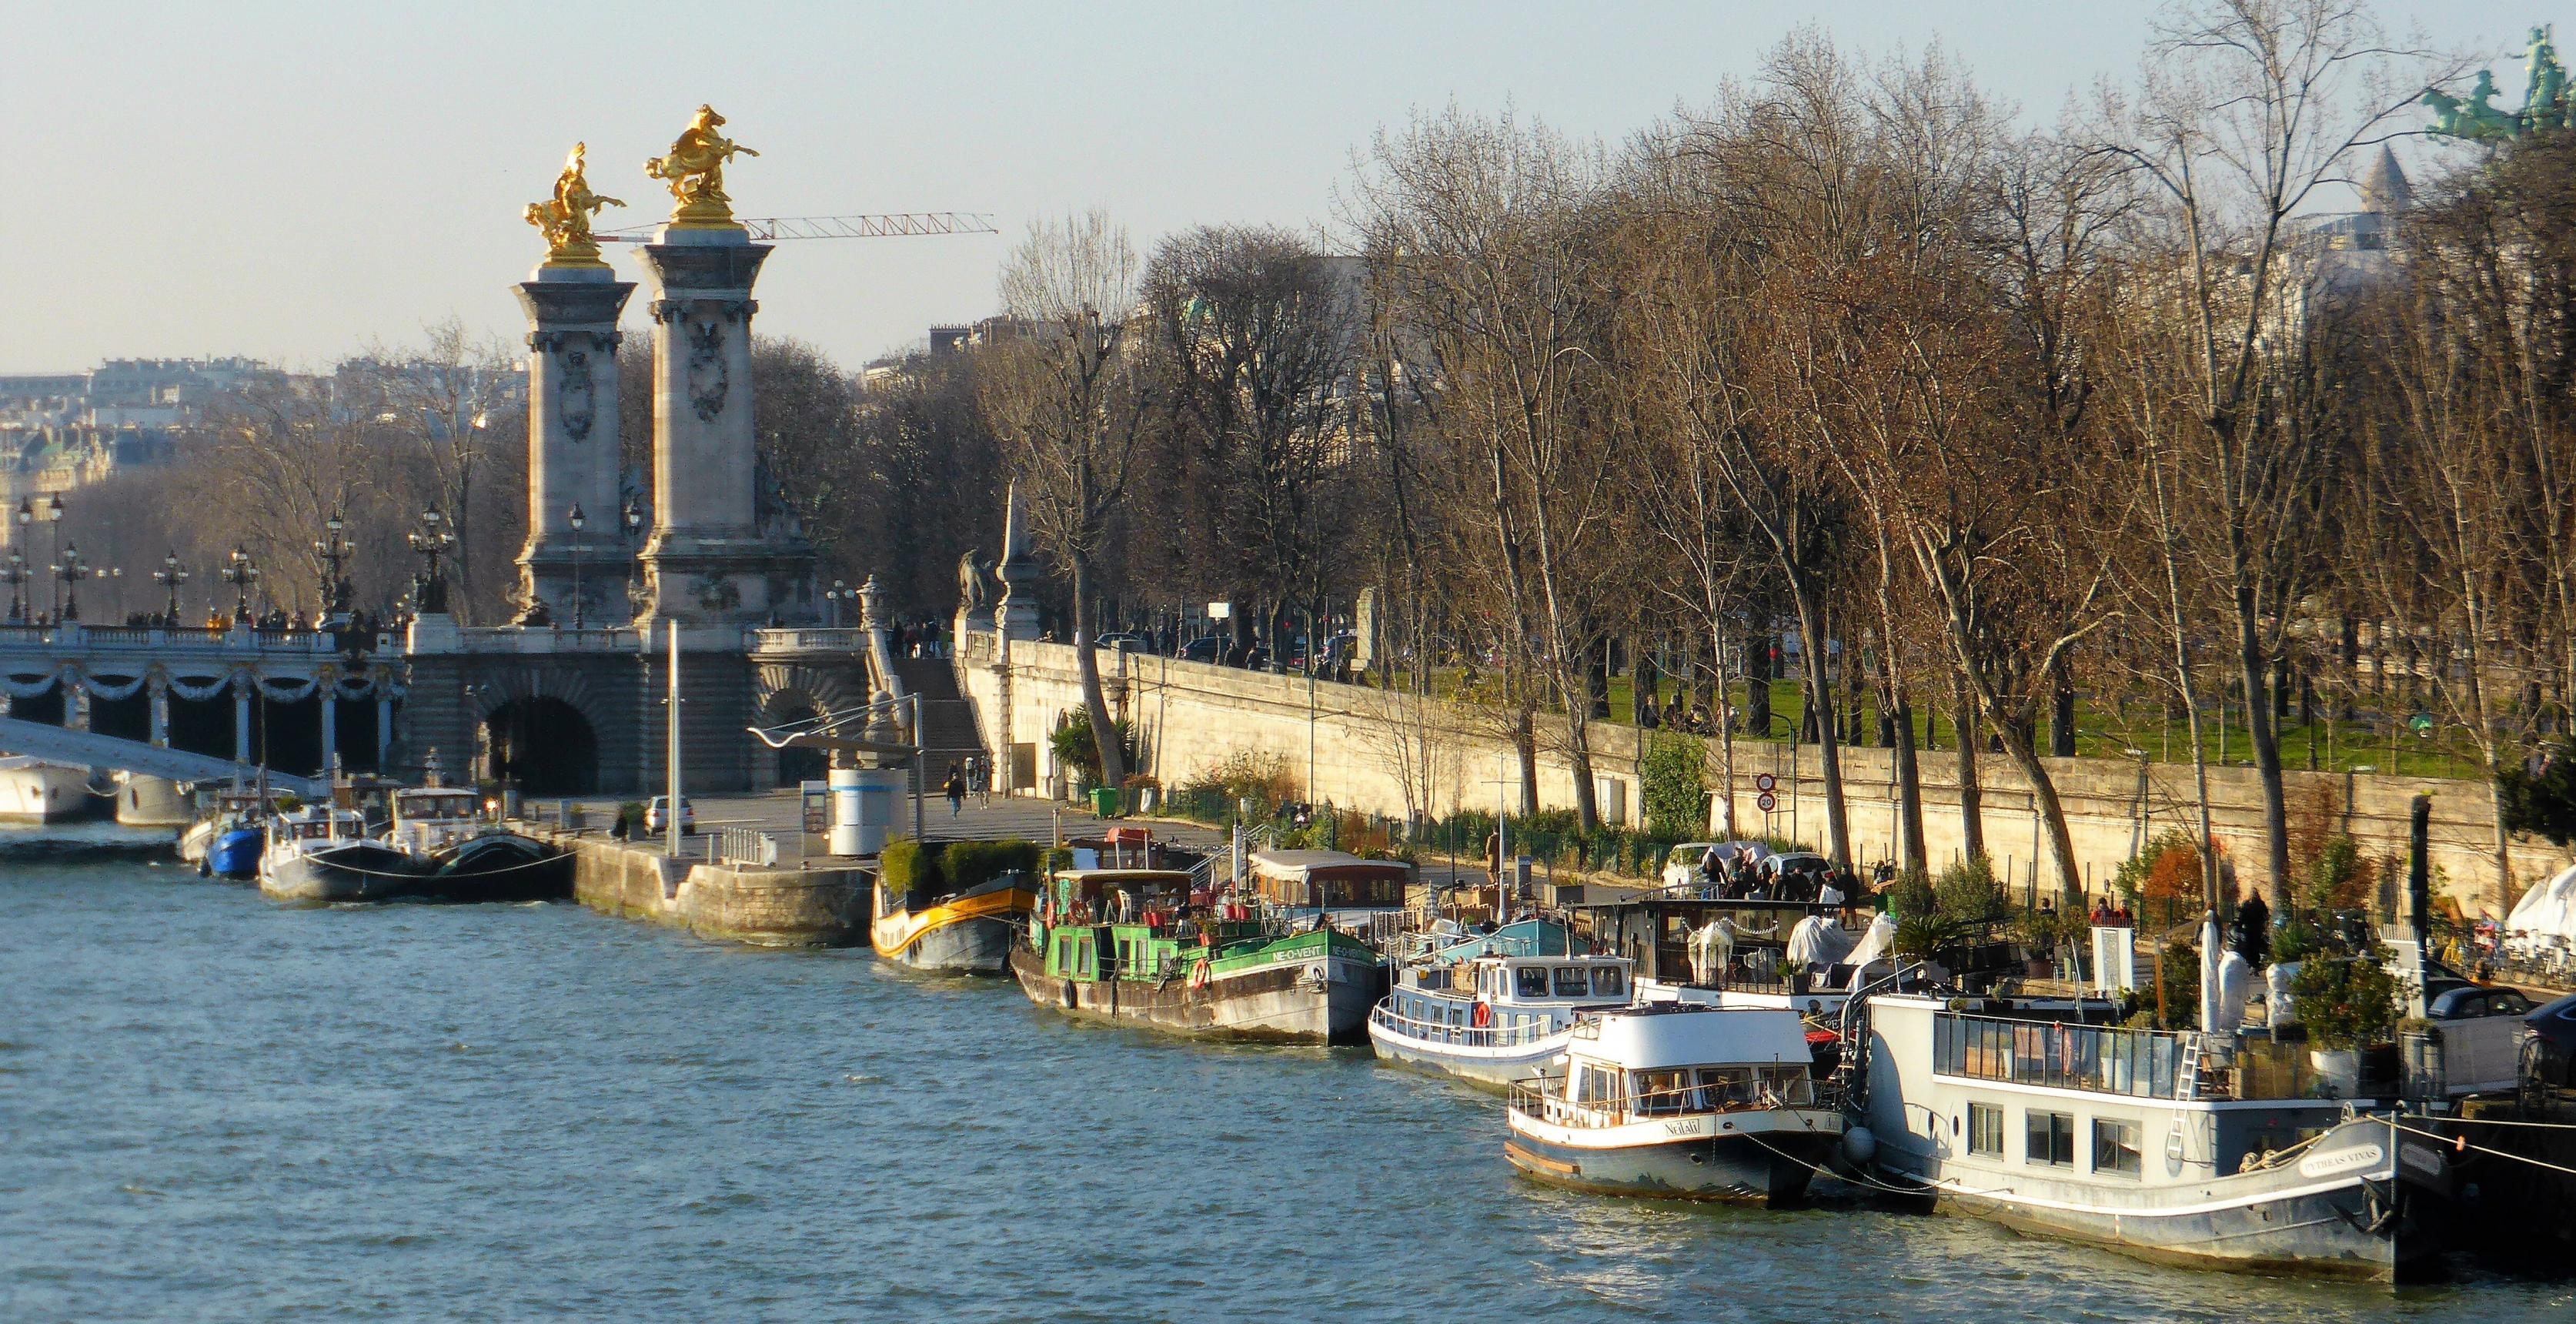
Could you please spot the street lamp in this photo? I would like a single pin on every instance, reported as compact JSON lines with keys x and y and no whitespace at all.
{"x":431,"y":540}
{"x":115,"y":576}
{"x":16,"y":572}
{"x":52,"y":513}
{"x":575,"y":518}
{"x":241,"y":572}
{"x":837,"y":594}
{"x":333,"y":549}
{"x":170,"y":576}
{"x":633,"y":515}
{"x":68,"y":572}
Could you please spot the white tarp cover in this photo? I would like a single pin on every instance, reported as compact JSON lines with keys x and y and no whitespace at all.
{"x":1874,"y":945}
{"x":1817,"y":943}
{"x":2547,"y":911}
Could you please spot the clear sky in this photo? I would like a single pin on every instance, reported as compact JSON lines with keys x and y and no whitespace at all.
{"x":293,"y":181}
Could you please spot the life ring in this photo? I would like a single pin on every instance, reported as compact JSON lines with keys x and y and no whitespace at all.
{"x":1483,"y":1019}
{"x":1199,"y":975}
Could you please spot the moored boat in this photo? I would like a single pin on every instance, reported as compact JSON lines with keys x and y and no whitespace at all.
{"x":2042,"y":1119}
{"x":1500,"y":1011}
{"x":1134,"y":945}
{"x":143,"y":801}
{"x":32,"y":790}
{"x":968,"y":931}
{"x":437,"y":848}
{"x":1678,"y":1101}
{"x":286,"y":869}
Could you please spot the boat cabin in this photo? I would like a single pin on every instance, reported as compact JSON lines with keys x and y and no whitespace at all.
{"x":428,"y":819}
{"x":317,"y":823}
{"x":1675,"y":1060}
{"x":1330,"y":880}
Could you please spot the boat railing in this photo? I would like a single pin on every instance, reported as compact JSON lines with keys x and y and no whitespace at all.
{"x":1529,"y":1031}
{"x":1743,"y":1089}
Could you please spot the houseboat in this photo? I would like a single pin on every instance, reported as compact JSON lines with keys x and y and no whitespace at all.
{"x":1500,"y":1011}
{"x":966,"y":931}
{"x":2045,"y":1120}
{"x":1138,"y":945}
{"x":295,"y":834}
{"x":1679,"y":1101}
{"x":436,"y":848}
{"x":1734,"y":952}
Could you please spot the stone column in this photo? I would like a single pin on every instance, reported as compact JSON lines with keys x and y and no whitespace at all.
{"x":572,"y":440}
{"x":707,"y":562}
{"x":326,"y":691}
{"x":158,"y":685}
{"x":1017,"y":615}
{"x":241,"y":716}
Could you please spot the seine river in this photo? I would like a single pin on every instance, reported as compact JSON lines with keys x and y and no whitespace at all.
{"x":217,"y":1108}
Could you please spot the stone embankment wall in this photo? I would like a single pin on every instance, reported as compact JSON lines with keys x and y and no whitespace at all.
{"x":768,"y":907}
{"x":1376,"y":752}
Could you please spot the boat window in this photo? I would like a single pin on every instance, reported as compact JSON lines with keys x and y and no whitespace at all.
{"x":1594,"y":1085}
{"x":1533,"y":981}
{"x":2048,"y":1138}
{"x":1609,"y":981}
{"x":1571,"y":983}
{"x":1986,"y":1130}
{"x":2115,"y":1146}
{"x":1665,"y":1093}
{"x":1789,"y":1085}
{"x":1727,"y":1087}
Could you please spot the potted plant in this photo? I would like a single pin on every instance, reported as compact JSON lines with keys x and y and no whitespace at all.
{"x":2346,"y":1002}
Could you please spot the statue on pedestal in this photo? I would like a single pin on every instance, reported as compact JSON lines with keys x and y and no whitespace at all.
{"x":695,"y":171}
{"x":564,"y":219}
{"x":971,"y":593}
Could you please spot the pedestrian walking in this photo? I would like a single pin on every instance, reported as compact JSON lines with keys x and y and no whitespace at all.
{"x":956,"y":789}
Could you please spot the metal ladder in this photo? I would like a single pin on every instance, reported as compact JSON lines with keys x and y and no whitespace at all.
{"x":2187,"y":1088}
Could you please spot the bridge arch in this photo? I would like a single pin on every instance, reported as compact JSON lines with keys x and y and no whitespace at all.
{"x":540,"y":727}
{"x":789,"y":692}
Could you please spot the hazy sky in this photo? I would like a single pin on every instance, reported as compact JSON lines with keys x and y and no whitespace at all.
{"x":295,"y":181}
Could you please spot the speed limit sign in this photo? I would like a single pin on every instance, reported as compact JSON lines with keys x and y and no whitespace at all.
{"x":1763,"y":782}
{"x":1766,"y":802}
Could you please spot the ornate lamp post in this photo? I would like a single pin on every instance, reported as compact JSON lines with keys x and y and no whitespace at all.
{"x":115,"y":576}
{"x":50,"y":510}
{"x":334,"y":550}
{"x":431,"y":540}
{"x":16,"y":573}
{"x":577,"y":520}
{"x":633,"y":516}
{"x":839,"y":593}
{"x":68,"y":572}
{"x":241,"y":572}
{"x":170,"y":576}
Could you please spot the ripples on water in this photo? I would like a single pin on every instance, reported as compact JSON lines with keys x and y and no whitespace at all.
{"x":215,"y":1108}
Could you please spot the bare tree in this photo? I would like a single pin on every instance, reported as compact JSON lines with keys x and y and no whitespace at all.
{"x":1065,"y":398}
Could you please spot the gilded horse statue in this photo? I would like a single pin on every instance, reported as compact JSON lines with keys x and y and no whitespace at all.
{"x":695,"y":171}
{"x":564,"y":219}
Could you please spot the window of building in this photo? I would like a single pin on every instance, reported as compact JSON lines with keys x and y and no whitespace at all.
{"x":1571,"y":982}
{"x":2115,"y":1146}
{"x":1986,"y":1130}
{"x":1533,"y":981}
{"x":2048,"y":1138}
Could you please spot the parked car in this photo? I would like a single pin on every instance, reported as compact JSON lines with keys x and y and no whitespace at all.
{"x":1127,"y":640}
{"x":1207,"y":648}
{"x":1681,"y":863}
{"x":657,"y":815}
{"x":2481,"y":1031}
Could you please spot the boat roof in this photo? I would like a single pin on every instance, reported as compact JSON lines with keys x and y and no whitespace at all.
{"x":1521,"y":937}
{"x":1301,"y":865}
{"x":1123,"y":876}
{"x":1681,"y":1035}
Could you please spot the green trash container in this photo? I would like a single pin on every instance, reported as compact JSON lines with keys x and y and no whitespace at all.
{"x":1104,"y":801}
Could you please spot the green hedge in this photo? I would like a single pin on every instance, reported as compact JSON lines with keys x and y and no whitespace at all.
{"x":967,"y":864}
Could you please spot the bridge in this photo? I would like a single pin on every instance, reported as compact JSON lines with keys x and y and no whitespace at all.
{"x":56,"y":744}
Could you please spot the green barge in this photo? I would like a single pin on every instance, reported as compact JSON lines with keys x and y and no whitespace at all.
{"x":1130,"y":944}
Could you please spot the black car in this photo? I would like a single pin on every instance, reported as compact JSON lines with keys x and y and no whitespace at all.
{"x":1200,"y":650}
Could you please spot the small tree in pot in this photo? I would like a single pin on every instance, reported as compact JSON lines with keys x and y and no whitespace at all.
{"x":2347,"y":1001}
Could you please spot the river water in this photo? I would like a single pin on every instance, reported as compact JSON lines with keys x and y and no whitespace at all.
{"x":217,"y":1108}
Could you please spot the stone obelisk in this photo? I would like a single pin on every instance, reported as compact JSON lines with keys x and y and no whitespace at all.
{"x":572,"y":300}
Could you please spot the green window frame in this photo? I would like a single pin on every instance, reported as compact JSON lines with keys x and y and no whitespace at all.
{"x":1986,"y":1130}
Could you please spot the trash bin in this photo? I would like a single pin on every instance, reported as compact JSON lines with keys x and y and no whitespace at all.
{"x":1104,"y":801}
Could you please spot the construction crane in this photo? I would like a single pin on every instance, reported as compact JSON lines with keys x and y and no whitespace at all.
{"x":883,"y":225}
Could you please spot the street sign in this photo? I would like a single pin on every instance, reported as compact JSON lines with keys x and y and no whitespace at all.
{"x":1218,"y":611}
{"x":1766,"y":802}
{"x":1765,"y":783}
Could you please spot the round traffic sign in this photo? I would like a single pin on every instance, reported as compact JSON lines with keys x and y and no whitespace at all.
{"x":1766,"y":802}
{"x":1763,"y":782}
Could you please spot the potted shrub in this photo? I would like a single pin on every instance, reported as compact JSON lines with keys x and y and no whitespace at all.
{"x":2346,"y":1002}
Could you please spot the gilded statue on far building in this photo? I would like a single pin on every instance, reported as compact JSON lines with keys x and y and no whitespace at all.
{"x":564,"y":219}
{"x":695,"y":169}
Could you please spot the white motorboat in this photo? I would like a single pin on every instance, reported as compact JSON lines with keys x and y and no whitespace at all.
{"x":1679,"y":1101}
{"x":1497,"y":1009}
{"x":32,"y":790}
{"x":143,"y":801}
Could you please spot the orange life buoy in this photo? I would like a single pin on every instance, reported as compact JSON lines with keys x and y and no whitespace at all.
{"x":1199,"y":974}
{"x":1484,"y":1017}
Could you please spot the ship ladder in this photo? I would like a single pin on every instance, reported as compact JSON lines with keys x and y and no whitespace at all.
{"x":2187,"y":1088}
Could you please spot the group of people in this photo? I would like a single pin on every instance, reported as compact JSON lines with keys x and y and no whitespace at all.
{"x":965,"y":777}
{"x":1740,"y":874}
